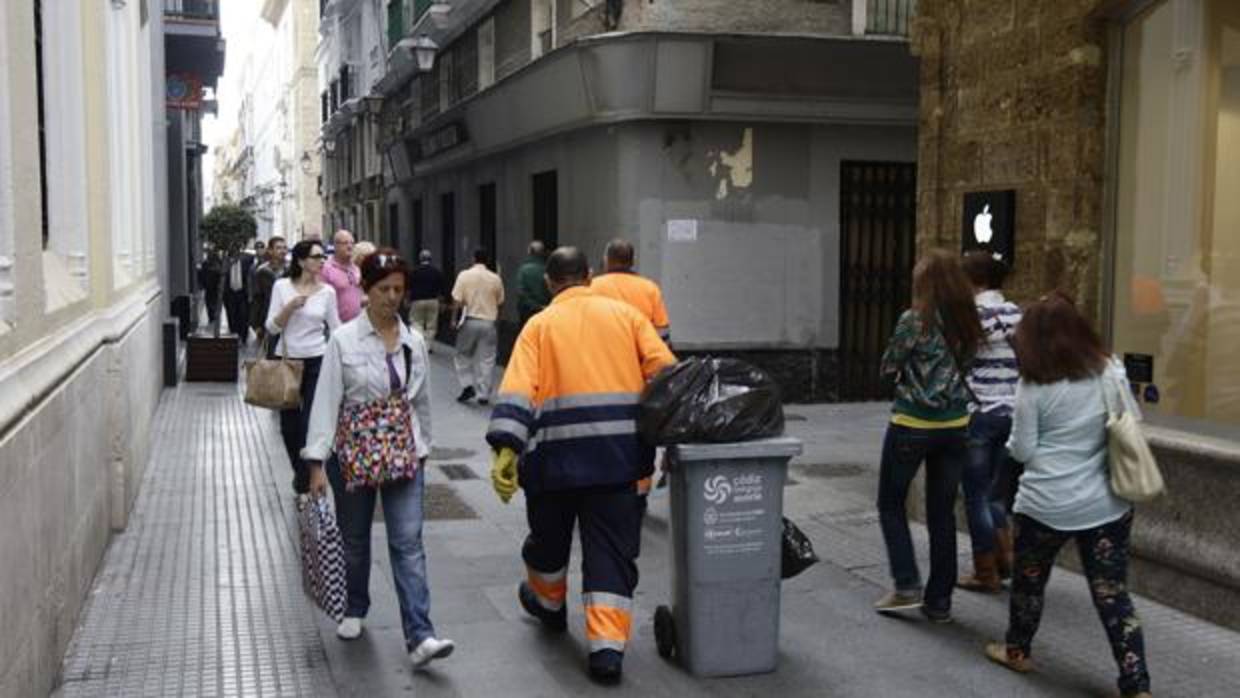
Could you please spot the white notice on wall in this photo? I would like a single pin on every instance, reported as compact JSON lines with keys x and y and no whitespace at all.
{"x":682,"y":230}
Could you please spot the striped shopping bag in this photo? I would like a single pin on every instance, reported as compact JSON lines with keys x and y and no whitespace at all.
{"x":322,"y":560}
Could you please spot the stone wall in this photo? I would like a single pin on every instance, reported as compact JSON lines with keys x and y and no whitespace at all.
{"x":791,"y":16}
{"x":1013,"y":97}
{"x":69,"y":471}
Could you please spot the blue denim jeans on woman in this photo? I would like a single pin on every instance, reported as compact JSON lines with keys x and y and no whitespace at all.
{"x":983,"y":489}
{"x":944,"y":453}
{"x":402,"y":514}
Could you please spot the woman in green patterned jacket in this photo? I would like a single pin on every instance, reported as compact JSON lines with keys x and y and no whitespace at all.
{"x":928,"y":357}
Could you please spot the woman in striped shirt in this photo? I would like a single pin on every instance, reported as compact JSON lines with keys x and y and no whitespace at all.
{"x":992,"y":382}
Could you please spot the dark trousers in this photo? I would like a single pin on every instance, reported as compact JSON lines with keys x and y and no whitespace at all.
{"x":982,"y":479}
{"x":1104,"y":556}
{"x":295,"y":423}
{"x":609,"y":523}
{"x":944,"y":452}
{"x":236,"y":305}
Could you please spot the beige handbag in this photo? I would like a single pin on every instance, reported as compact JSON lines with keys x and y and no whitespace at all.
{"x":274,"y":383}
{"x":1134,"y":472}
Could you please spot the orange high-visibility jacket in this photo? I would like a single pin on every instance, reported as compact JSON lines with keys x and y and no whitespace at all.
{"x":639,"y":292}
{"x":568,"y":402}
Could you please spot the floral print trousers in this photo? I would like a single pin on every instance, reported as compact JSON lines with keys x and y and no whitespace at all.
{"x":1104,"y":557}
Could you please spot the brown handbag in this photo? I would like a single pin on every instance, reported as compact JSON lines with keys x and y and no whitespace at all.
{"x":274,"y":383}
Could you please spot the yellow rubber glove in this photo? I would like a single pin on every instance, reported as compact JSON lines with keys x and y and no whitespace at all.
{"x":504,"y":474}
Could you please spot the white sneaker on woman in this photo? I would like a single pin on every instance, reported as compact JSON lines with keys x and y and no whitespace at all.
{"x":349,"y":628}
{"x":430,"y":648}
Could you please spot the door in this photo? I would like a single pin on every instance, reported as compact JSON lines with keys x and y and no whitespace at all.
{"x":418,"y":242}
{"x":486,"y":221}
{"x":393,"y":225}
{"x":878,"y":222}
{"x":546,"y":209}
{"x":447,"y":214}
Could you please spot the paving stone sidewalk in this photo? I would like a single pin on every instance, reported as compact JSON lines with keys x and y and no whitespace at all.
{"x":201,"y":595}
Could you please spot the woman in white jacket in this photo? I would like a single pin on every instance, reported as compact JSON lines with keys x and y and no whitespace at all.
{"x":1059,"y":433}
{"x":372,"y":358}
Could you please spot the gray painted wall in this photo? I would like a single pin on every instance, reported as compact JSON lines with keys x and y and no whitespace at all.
{"x":763,"y":271}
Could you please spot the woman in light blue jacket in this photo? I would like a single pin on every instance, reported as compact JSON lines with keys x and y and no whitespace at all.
{"x":1059,"y":433}
{"x":370,"y":358}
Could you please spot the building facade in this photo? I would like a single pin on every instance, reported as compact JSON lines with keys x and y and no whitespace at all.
{"x":1116,"y":126}
{"x":269,"y":164}
{"x":83,"y":225}
{"x":751,"y":170}
{"x":351,"y":56}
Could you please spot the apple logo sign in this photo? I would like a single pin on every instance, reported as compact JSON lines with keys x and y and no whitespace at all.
{"x":988,"y":223}
{"x":982,"y":231}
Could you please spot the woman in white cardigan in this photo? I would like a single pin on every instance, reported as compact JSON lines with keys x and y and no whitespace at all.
{"x":1059,"y":433}
{"x":300,"y":316}
{"x":373,"y":358}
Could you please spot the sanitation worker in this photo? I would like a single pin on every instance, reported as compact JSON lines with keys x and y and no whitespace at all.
{"x":564,"y":429}
{"x":622,"y":283}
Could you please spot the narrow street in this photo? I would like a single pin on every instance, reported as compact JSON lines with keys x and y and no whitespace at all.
{"x":201,"y":595}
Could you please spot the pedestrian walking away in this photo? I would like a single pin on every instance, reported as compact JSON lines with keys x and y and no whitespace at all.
{"x":376,"y":365}
{"x":624,"y":284}
{"x":568,"y":406}
{"x":477,"y":295}
{"x":265,"y":277}
{"x":210,"y":272}
{"x":343,"y":276}
{"x":427,"y":287}
{"x":532,"y":293}
{"x":237,"y":292}
{"x":1059,"y":433}
{"x":927,"y":356}
{"x":303,"y":312}
{"x":992,"y":385}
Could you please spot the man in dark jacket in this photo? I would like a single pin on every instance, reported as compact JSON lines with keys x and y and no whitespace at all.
{"x":426,"y":287}
{"x":532,"y":294}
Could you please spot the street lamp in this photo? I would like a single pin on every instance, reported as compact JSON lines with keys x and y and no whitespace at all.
{"x":306,"y":162}
{"x":424,"y":49}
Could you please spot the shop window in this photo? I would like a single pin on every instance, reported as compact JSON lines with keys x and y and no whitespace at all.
{"x":1177,"y":220}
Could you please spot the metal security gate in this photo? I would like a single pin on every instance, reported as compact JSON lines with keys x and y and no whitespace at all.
{"x":878,"y":223}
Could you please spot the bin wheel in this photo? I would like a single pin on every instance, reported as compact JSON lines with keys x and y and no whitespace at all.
{"x":665,"y":632}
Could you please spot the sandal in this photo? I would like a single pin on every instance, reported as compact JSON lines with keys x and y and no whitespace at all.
{"x":1009,"y":657}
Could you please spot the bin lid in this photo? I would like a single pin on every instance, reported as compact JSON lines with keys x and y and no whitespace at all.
{"x":777,"y":447}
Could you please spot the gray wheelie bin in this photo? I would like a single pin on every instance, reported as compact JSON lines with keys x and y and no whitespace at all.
{"x":726,"y":511}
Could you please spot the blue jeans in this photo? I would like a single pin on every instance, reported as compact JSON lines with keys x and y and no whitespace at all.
{"x":402,"y":514}
{"x":944,"y":452}
{"x":983,"y":496}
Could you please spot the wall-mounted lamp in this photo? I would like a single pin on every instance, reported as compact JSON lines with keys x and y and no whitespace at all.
{"x":307,"y":163}
{"x":424,"y":48}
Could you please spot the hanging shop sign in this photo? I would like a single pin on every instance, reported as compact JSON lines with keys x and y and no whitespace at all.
{"x":989,"y":223}
{"x":183,"y":91}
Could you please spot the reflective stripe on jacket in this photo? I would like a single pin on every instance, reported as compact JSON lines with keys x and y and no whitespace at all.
{"x":639,"y":292}
{"x":568,"y":401}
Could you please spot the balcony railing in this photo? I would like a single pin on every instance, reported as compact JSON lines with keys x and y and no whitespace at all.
{"x":890,"y":17}
{"x":192,"y":9}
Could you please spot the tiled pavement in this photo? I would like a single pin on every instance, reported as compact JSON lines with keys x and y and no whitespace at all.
{"x":201,"y":596}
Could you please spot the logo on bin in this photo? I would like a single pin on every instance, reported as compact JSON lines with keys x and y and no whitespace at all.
{"x":717,"y":489}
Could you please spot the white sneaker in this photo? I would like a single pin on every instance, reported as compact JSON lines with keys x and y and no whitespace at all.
{"x":349,"y":628}
{"x":431,"y":648}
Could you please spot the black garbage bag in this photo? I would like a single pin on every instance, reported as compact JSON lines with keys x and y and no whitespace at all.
{"x":705,"y":399}
{"x":798,"y":552}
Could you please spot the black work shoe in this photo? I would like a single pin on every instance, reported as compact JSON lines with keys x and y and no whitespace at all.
{"x":551,"y":620}
{"x":936,"y":615}
{"x":466,"y":395}
{"x":606,"y":666}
